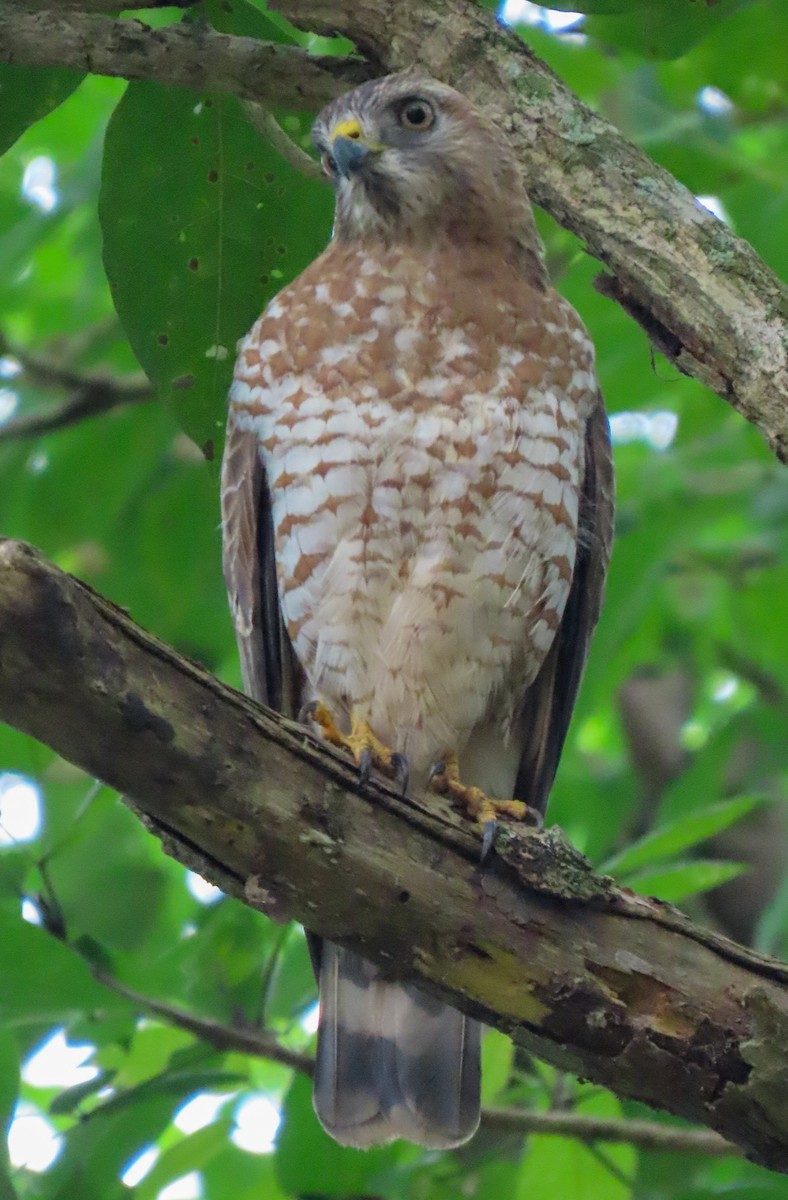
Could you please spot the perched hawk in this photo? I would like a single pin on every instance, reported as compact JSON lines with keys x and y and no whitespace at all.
{"x":417,"y":518}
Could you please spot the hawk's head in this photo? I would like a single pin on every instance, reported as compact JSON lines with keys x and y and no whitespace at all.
{"x":411,"y":159}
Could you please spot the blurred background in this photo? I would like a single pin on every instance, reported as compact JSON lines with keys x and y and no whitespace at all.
{"x":142,"y":229}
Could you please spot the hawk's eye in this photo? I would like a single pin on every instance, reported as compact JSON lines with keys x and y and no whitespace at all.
{"x":328,"y":163}
{"x":416,"y":114}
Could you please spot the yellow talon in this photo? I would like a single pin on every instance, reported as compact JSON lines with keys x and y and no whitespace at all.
{"x":367,"y":750}
{"x":322,"y":717}
{"x":445,"y":779}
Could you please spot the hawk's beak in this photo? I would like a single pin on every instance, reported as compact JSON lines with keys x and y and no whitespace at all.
{"x":349,"y":148}
{"x":348,"y":155}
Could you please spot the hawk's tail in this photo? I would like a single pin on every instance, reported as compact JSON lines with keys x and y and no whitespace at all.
{"x":391,"y":1061}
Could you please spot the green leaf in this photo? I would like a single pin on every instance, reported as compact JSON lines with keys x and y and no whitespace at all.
{"x":84,"y":880}
{"x":556,"y":1168}
{"x":663,"y":843}
{"x":308,"y":1160}
{"x":772,"y":931}
{"x":497,"y":1058}
{"x":42,"y":979}
{"x":292,"y":987}
{"x":236,"y":1174}
{"x":9,"y":1079}
{"x":101,"y":1145}
{"x":29,"y":93}
{"x":191,"y":1153}
{"x":198,"y":237}
{"x":684,"y":879}
{"x":657,"y":28}
{"x":71,"y":1098}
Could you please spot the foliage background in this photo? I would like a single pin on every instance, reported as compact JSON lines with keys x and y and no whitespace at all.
{"x":158,"y":230}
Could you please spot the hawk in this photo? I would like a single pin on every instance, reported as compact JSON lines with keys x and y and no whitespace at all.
{"x":417,"y":515}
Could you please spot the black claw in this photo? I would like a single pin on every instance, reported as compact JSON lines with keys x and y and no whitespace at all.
{"x":401,"y":771}
{"x":534,"y":818}
{"x":306,"y":711}
{"x":437,"y":768}
{"x":488,"y":837}
{"x":365,"y":765}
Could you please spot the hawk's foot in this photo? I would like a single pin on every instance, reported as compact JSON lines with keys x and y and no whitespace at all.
{"x":366,"y":749}
{"x":445,"y":779}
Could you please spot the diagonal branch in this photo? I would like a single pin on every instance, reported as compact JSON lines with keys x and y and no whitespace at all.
{"x":190,"y":56}
{"x":90,"y":394}
{"x":648,"y":1135}
{"x":618,"y":989}
{"x":703,"y":296}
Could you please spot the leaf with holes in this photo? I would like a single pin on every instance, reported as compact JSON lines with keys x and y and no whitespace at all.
{"x":208,"y":225}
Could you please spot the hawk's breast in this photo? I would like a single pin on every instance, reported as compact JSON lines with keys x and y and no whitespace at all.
{"x":420,"y":425}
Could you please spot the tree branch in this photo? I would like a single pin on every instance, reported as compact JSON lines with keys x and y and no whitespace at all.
{"x":602,"y":983}
{"x":92,"y":394}
{"x":705,"y":299}
{"x":190,"y":56}
{"x":703,"y":296}
{"x":648,"y":1135}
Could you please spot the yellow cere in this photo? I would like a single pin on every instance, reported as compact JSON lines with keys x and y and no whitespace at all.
{"x":349,"y":129}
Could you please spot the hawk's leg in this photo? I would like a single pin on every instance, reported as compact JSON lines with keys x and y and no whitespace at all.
{"x":367,"y":750}
{"x":445,"y":778}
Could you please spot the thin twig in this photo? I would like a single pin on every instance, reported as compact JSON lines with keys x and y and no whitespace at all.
{"x":91,"y":394}
{"x":269,"y":128}
{"x":222,"y":1037}
{"x":648,"y":1135}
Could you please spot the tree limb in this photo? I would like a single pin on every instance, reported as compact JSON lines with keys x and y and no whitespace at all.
{"x":648,"y":1135}
{"x":190,"y":56}
{"x":92,"y":394}
{"x":598,"y":981}
{"x":703,"y":296}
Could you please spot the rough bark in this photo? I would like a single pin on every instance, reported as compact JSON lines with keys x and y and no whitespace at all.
{"x":703,"y":296}
{"x":190,"y":56}
{"x":596,"y":980}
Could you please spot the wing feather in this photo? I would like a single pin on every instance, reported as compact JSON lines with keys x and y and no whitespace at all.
{"x":269,"y":669}
{"x":549,"y":701}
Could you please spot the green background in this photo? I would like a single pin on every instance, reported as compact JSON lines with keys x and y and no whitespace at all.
{"x":174,"y":225}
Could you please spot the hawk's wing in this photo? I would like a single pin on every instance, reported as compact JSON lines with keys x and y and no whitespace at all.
{"x":548,"y":702}
{"x":269,"y":668}
{"x":391,"y":1062}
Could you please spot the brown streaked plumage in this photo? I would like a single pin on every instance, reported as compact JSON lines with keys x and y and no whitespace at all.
{"x":417,"y":516}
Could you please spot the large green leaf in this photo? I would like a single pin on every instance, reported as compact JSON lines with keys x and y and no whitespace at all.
{"x":9,"y":1079}
{"x":683,"y":879}
{"x":42,"y":979}
{"x":670,"y":839}
{"x":236,"y":1174}
{"x":197,"y":237}
{"x":557,"y":1168}
{"x":192,"y":1153}
{"x":309,"y":1161}
{"x":655,"y":28}
{"x":497,"y":1059}
{"x":29,"y":93}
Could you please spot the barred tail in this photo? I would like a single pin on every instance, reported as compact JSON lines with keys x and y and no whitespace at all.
{"x":392,"y":1061}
